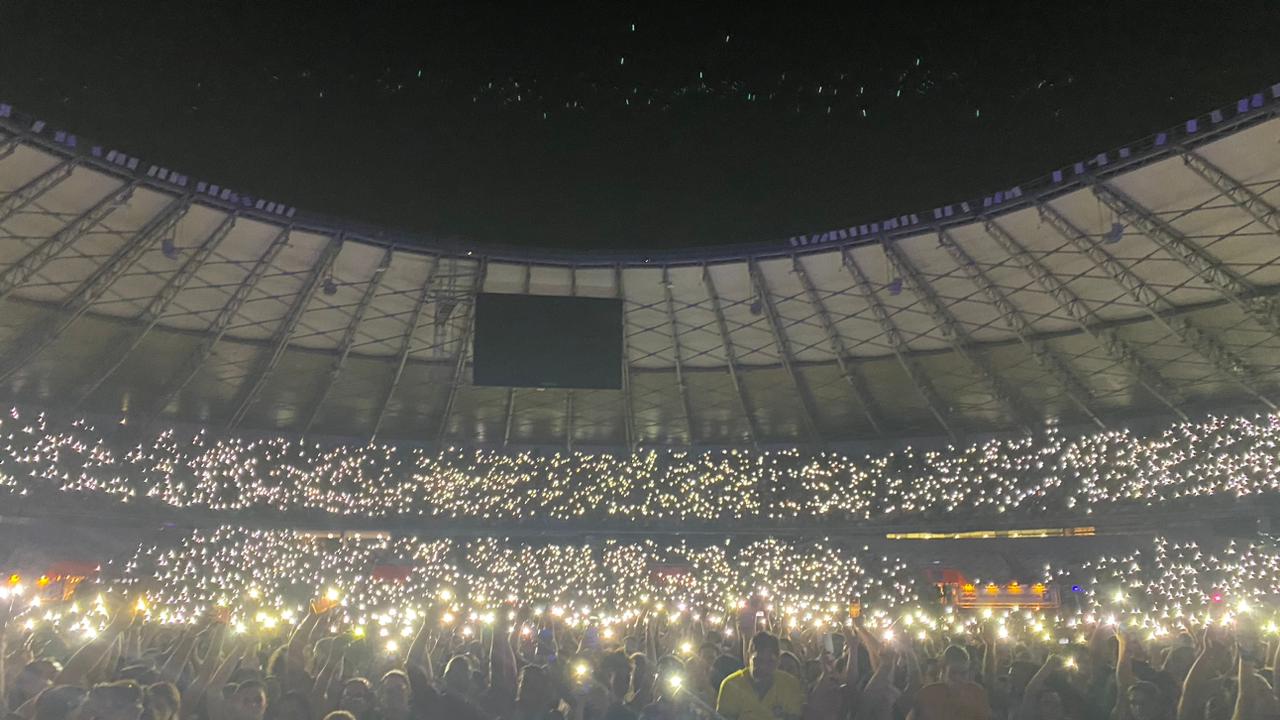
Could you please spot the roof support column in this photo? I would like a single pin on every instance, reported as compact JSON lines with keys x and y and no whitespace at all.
{"x":10,"y":145}
{"x":1196,"y":259}
{"x":1155,"y":303}
{"x":461,"y":361}
{"x":675,"y":340}
{"x":93,"y":287}
{"x":509,"y":415}
{"x":1118,"y":350}
{"x":155,"y":309}
{"x":961,"y":343}
{"x":1244,"y":198}
{"x":280,"y":343}
{"x":899,"y":346}
{"x":568,"y":398}
{"x":215,"y":332}
{"x":780,"y":339}
{"x":349,"y":337}
{"x":406,"y":345}
{"x":18,"y":273}
{"x":731,"y":356}
{"x":1046,"y":358}
{"x":14,"y":201}
{"x":851,"y":376}
{"x":628,"y":416}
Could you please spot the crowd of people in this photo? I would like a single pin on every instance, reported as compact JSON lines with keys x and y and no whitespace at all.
{"x":1225,"y":457}
{"x":250,"y":625}
{"x":242,"y":623}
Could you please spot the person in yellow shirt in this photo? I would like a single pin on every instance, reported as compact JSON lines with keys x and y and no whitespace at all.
{"x":761,"y":691}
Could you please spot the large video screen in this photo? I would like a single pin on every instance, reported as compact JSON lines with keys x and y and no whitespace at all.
{"x":547,"y":341}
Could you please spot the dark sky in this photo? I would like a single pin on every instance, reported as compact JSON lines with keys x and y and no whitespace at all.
{"x":629,"y":125}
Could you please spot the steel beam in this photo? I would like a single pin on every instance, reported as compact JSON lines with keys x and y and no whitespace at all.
{"x":1156,"y":304}
{"x":679,"y":354}
{"x":349,"y":337}
{"x":406,"y":345}
{"x":92,"y":288}
{"x":284,"y":333}
{"x":731,"y":356}
{"x":1230,"y":284}
{"x":568,"y":398}
{"x":628,"y":417}
{"x":14,"y":201}
{"x":511,"y":392}
{"x":461,"y":361}
{"x":1244,"y":198}
{"x":851,"y":375}
{"x":958,"y":338}
{"x":1118,"y":350}
{"x":18,"y":273}
{"x":1045,"y":357}
{"x":155,"y":309}
{"x":214,"y":334}
{"x":10,"y":145}
{"x":809,"y":414}
{"x":897,"y":344}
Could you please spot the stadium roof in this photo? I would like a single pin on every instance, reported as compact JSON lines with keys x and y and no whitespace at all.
{"x":1139,"y":282}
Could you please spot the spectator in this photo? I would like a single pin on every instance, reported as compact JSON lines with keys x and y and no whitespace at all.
{"x":955,"y":697}
{"x":761,"y":691}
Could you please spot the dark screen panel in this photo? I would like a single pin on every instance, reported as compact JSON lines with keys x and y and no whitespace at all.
{"x":548,"y":341}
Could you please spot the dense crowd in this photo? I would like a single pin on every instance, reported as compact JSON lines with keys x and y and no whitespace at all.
{"x":1227,"y":457}
{"x":238,"y":624}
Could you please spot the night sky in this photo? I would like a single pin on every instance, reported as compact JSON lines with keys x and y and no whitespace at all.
{"x":626,"y":126}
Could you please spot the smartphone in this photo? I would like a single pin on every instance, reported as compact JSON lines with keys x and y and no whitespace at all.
{"x":828,"y":644}
{"x":759,"y":620}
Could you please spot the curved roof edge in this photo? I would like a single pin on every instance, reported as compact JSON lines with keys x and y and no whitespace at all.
{"x":1201,"y":129}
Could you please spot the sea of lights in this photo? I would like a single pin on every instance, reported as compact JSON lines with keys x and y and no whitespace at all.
{"x":1048,"y":473}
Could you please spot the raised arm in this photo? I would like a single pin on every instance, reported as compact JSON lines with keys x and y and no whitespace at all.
{"x":419,"y":654}
{"x":871,"y":642}
{"x":990,"y":657}
{"x":172,"y":668}
{"x":1196,"y":686}
{"x":1030,"y":709}
{"x":1124,"y":675}
{"x":208,"y":668}
{"x":295,"y":656}
{"x":334,"y":662}
{"x":6,"y":612}
{"x":214,"y":700}
{"x":915,"y":681}
{"x":92,"y":653}
{"x":1099,"y":648}
{"x":1275,"y":671}
{"x":502,"y":660}
{"x":1253,"y":699}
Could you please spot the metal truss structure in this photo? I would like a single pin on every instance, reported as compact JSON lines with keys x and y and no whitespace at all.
{"x":1125,"y":289}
